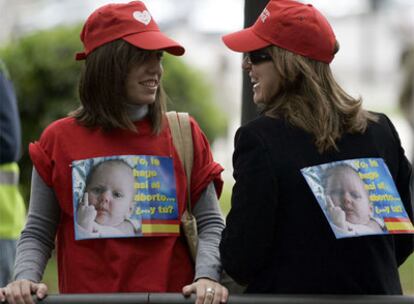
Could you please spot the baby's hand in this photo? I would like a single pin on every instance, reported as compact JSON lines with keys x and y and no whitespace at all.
{"x":336,"y":214}
{"x":86,"y":214}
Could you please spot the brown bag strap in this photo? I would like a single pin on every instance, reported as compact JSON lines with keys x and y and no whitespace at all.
{"x":183,"y":141}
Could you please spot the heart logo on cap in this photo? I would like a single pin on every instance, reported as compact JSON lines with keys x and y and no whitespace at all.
{"x":143,"y":17}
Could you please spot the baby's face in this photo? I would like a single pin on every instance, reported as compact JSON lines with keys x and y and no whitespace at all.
{"x":347,"y":191}
{"x":111,"y":191}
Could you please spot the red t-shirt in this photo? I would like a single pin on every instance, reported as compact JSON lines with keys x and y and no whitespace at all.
{"x":140,"y":264}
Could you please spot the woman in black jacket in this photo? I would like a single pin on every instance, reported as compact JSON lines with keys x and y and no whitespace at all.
{"x":282,"y":233}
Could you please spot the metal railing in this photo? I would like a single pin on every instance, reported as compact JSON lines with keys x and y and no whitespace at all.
{"x":178,"y":298}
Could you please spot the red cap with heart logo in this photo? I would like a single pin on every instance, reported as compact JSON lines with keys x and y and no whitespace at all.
{"x":291,"y":25}
{"x":131,"y":22}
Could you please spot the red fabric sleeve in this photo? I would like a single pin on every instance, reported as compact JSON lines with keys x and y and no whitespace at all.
{"x":41,"y":162}
{"x":205,"y":170}
{"x":41,"y":154}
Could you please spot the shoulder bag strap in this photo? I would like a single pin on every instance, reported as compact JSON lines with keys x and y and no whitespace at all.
{"x":183,"y":142}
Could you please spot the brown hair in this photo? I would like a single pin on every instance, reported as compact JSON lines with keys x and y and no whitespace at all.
{"x":311,"y":99}
{"x":102,"y":88}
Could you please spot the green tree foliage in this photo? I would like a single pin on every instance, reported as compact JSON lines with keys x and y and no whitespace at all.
{"x":45,"y":76}
{"x":188,"y":91}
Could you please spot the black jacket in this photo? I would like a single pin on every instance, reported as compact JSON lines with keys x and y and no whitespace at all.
{"x":278,"y":240}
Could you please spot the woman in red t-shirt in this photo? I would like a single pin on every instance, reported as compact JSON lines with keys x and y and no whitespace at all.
{"x":121,"y":120}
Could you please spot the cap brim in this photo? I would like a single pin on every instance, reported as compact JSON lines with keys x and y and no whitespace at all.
{"x":244,"y":41}
{"x":154,"y":40}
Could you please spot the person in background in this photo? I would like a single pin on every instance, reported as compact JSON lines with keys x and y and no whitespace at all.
{"x":277,"y":238}
{"x":407,"y":90}
{"x":122,"y":113}
{"x":12,"y":208}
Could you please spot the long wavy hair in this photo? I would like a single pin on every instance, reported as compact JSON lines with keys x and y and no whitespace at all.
{"x":102,"y":89}
{"x":311,"y":99}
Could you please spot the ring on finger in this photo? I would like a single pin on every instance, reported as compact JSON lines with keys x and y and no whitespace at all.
{"x":210,"y":290}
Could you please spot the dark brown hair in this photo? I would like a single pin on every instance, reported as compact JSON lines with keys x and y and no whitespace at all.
{"x":311,"y":99}
{"x":102,"y":88}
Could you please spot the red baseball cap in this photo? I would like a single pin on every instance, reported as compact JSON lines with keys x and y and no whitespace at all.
{"x":291,"y":25}
{"x":130,"y":21}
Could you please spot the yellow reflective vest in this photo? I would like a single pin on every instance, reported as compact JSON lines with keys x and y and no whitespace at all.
{"x":12,"y":208}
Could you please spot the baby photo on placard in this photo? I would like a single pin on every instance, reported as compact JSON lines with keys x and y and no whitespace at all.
{"x":124,"y":196}
{"x":358,"y":197}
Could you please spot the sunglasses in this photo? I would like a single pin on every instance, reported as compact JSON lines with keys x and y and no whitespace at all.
{"x":259,"y":56}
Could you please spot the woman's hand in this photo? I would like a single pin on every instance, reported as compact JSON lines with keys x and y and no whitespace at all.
{"x":20,"y":292}
{"x":207,"y":291}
